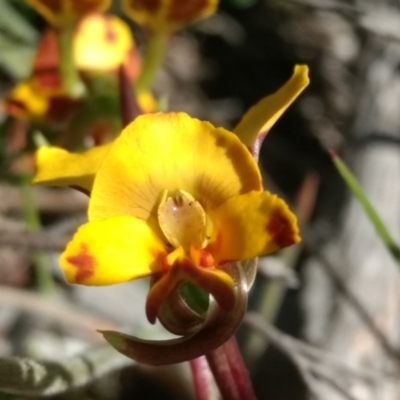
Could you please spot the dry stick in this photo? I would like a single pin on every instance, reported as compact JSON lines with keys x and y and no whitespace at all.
{"x":204,"y":383}
{"x":34,"y":240}
{"x":294,"y":347}
{"x":353,"y":301}
{"x":58,"y":311}
{"x":57,"y":201}
{"x":314,"y":363}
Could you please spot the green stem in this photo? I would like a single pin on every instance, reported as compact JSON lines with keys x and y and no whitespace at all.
{"x":70,"y":75}
{"x":370,"y":211}
{"x":45,"y":282}
{"x":153,"y":59}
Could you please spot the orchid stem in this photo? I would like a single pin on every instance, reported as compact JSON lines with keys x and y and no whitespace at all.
{"x":128,"y":102}
{"x":70,"y":75}
{"x":203,"y":380}
{"x":44,"y":279}
{"x":230,"y":372}
{"x":153,"y":59}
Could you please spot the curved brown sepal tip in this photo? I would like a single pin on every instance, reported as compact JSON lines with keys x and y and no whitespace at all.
{"x":218,"y":327}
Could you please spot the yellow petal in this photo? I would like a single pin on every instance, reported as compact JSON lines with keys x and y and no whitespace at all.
{"x":102,"y":43}
{"x":261,"y":117}
{"x":171,"y":151}
{"x":168,"y":15}
{"x":58,"y":167}
{"x":147,"y":102}
{"x":112,"y":251}
{"x":26,"y":101}
{"x":251,"y":225}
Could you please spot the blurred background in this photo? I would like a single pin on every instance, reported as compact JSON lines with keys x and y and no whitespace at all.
{"x":324,"y":316}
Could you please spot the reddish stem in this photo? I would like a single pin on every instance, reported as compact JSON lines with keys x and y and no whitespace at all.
{"x":202,"y":378}
{"x":238,"y":369}
{"x":229,"y":372}
{"x":129,"y":105}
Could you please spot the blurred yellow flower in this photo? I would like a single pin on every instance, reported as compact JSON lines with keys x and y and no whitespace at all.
{"x":28,"y":100}
{"x":102,"y":43}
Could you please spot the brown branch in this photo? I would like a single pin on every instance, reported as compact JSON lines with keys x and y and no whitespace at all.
{"x":56,"y":310}
{"x":50,"y":200}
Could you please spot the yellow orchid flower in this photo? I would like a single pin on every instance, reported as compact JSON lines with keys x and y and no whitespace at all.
{"x":29,"y":100}
{"x":191,"y":201}
{"x":168,"y":15}
{"x":62,"y":13}
{"x":102,"y":43}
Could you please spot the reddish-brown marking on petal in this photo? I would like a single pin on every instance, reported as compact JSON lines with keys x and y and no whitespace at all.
{"x":80,"y":189}
{"x":281,"y":229}
{"x":46,"y":65}
{"x":84,"y":7}
{"x":151,"y":6}
{"x":111,"y":35}
{"x":161,"y":258}
{"x":214,"y":247}
{"x":55,"y":6}
{"x":184,"y":12}
{"x":84,"y":263}
{"x":16,"y":108}
{"x":206,"y":259}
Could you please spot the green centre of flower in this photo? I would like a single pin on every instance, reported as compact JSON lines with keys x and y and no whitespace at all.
{"x":183,"y":220}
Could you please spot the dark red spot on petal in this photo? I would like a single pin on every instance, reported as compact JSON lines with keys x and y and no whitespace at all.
{"x":282,"y":230}
{"x":206,"y":259}
{"x":111,"y":35}
{"x":55,"y":6}
{"x":84,"y":263}
{"x":84,"y":7}
{"x":16,"y":108}
{"x":185,"y":12}
{"x":151,"y":6}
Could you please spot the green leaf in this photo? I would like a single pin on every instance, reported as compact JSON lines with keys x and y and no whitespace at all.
{"x":18,"y":41}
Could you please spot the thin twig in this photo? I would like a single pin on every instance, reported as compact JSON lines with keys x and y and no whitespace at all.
{"x":352,"y":300}
{"x":58,"y":311}
{"x":33,"y":240}
{"x":51,"y":200}
{"x":314,"y":357}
